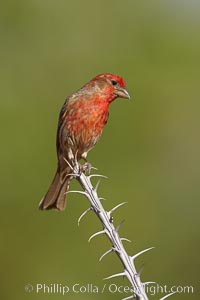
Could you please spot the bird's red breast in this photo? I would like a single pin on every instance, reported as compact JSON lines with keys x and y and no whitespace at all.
{"x":84,"y":120}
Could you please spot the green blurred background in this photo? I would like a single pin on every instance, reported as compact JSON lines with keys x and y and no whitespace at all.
{"x":149,"y":149}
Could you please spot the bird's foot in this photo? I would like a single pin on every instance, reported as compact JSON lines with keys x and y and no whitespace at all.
{"x":87,"y":167}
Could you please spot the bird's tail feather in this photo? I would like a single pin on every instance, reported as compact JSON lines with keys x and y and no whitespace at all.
{"x":55,"y":198}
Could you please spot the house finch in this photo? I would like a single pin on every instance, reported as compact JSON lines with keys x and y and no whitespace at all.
{"x":80,"y":125}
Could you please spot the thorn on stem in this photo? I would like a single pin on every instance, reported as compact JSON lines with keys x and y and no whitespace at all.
{"x":130,"y":297}
{"x":68,"y":163}
{"x":97,"y":185}
{"x":148,"y":282}
{"x":101,"y":198}
{"x":73,"y":174}
{"x":141,"y":252}
{"x":95,"y":234}
{"x":117,"y":206}
{"x":118,"y":226}
{"x":83,"y":214}
{"x":97,"y":175}
{"x":105,"y":253}
{"x":140,"y":271}
{"x":125,"y":239}
{"x":115,"y":275}
{"x":78,"y":192}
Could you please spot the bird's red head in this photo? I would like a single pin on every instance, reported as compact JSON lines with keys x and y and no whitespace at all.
{"x":112,"y":77}
{"x":112,"y":85}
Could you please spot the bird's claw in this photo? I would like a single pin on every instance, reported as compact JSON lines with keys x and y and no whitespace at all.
{"x":86,"y":167}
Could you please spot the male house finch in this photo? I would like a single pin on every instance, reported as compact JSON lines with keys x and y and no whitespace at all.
{"x":80,"y":125}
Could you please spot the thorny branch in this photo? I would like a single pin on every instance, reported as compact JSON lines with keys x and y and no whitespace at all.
{"x":138,"y":288}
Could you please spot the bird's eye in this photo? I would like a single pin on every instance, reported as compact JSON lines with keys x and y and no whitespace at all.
{"x":114,"y":82}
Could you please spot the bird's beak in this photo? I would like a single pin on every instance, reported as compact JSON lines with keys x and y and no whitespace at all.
{"x":122,"y":93}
